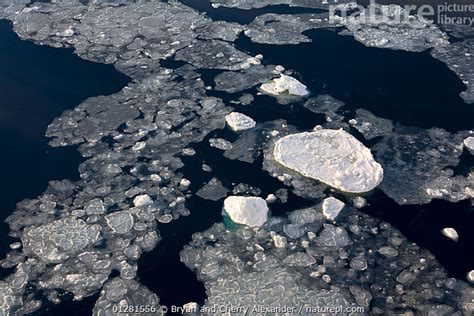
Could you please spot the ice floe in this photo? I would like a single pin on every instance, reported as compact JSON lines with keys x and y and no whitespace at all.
{"x":220,"y":143}
{"x":239,"y":122}
{"x":332,"y":207}
{"x":120,"y":222}
{"x":469,"y":143}
{"x":279,"y":29}
{"x":450,"y":233}
{"x":235,"y":81}
{"x":371,"y":126}
{"x":333,"y":157}
{"x":249,"y":211}
{"x":285,"y":84}
{"x":458,"y":56}
{"x":213,"y":190}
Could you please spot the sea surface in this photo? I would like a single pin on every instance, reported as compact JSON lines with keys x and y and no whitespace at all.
{"x":38,"y":83}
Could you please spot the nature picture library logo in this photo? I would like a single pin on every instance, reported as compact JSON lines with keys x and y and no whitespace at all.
{"x":452,"y":12}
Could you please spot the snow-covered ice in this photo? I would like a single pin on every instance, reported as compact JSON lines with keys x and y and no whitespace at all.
{"x":239,"y":122}
{"x":332,"y":207}
{"x":469,"y":143}
{"x":285,"y":84}
{"x":142,"y":200}
{"x":450,"y":233}
{"x":250,"y":211}
{"x":333,"y":157}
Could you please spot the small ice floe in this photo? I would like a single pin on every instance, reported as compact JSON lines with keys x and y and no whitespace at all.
{"x":359,"y":202}
{"x":220,"y":143}
{"x":279,"y":241}
{"x":451,"y":233}
{"x":239,"y":122}
{"x":332,"y":207}
{"x":142,"y":200}
{"x":213,"y":190}
{"x":165,"y":218}
{"x":285,"y":84}
{"x":271,"y":198}
{"x":470,"y":276}
{"x":249,"y":211}
{"x":333,"y":157}
{"x":358,"y":263}
{"x":139,"y":146}
{"x":469,"y":143}
{"x":388,"y":251}
{"x":15,"y":245}
{"x":184,"y":184}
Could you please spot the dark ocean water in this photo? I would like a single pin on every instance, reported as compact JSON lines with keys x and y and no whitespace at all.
{"x":38,"y":83}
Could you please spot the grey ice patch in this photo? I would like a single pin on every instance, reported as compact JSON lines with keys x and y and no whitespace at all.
{"x":332,"y":236}
{"x":246,"y":148}
{"x":282,"y":29}
{"x":213,"y":54}
{"x":9,"y":302}
{"x":235,"y":81}
{"x":213,"y":190}
{"x":221,"y":30}
{"x":120,"y":222}
{"x":220,"y":143}
{"x":95,"y":207}
{"x":59,"y":240}
{"x":299,"y":259}
{"x":370,"y":125}
{"x":459,"y":58}
{"x":417,"y":165}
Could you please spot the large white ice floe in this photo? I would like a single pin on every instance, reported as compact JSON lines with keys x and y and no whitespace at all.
{"x":285,"y":84}
{"x":331,"y":156}
{"x":239,"y":122}
{"x":250,"y":211}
